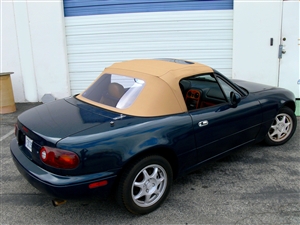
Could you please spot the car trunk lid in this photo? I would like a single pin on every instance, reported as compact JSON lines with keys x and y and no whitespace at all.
{"x":46,"y":124}
{"x":59,"y":119}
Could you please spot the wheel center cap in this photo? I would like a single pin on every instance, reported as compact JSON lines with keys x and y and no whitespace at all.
{"x":280,"y":127}
{"x":150,"y":185}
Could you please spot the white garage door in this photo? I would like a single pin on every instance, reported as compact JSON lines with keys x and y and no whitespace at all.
{"x":100,"y":33}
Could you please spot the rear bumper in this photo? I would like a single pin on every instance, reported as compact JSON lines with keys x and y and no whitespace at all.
{"x":58,"y":186}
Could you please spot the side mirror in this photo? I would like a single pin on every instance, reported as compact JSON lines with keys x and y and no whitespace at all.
{"x":235,"y":98}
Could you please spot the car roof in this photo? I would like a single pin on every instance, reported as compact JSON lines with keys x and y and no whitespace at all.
{"x":161,"y":94}
{"x":158,"y":67}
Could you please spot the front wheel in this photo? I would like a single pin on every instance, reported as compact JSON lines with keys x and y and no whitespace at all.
{"x":282,"y":128}
{"x":145,"y":185}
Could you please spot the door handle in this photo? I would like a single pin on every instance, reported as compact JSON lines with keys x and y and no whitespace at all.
{"x":203,"y":123}
{"x":282,"y":50}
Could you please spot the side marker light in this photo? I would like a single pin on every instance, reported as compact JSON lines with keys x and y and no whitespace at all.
{"x":98,"y":184}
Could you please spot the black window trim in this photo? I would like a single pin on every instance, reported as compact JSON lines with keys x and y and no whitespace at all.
{"x":217,"y":74}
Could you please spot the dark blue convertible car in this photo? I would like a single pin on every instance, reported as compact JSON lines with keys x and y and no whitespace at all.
{"x":140,"y":125}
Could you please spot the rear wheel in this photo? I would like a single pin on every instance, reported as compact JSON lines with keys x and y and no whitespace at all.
{"x":282,"y":128}
{"x":145,"y":185}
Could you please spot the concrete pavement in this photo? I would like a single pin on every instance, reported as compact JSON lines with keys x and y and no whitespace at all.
{"x":256,"y":185}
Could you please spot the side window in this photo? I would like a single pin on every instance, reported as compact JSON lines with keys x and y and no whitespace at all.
{"x":226,"y":88}
{"x":201,"y":91}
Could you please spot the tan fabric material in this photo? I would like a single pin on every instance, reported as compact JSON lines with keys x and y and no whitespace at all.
{"x":161,"y":94}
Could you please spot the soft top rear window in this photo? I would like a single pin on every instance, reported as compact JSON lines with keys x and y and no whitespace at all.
{"x":114,"y":90}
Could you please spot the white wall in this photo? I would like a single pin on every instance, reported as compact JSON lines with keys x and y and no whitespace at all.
{"x":10,"y":52}
{"x":34,"y":48}
{"x":254,"y":23}
{"x":289,"y":63}
{"x":254,"y":59}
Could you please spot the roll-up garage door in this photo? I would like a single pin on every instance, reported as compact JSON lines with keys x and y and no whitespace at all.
{"x":100,"y":33}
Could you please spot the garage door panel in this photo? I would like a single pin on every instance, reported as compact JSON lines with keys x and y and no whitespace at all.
{"x":105,"y":7}
{"x":148,"y":46}
{"x":88,"y":66}
{"x":185,"y":16}
{"x":149,"y":27}
{"x":149,"y":17}
{"x":120,"y":56}
{"x":96,"y":41}
{"x":193,"y":35}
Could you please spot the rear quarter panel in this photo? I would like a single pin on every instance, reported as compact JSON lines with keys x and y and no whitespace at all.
{"x":109,"y":147}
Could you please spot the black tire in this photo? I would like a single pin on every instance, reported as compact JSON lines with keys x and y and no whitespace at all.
{"x":145,"y":185}
{"x":282,"y":128}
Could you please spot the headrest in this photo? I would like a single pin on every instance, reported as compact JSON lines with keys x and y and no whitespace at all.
{"x":116,"y":90}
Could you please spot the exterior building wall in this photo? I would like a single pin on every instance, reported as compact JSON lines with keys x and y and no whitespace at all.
{"x":34,"y":49}
{"x":289,"y":66}
{"x":255,"y":24}
{"x":46,"y":58}
{"x":260,"y":27}
{"x":10,"y":61}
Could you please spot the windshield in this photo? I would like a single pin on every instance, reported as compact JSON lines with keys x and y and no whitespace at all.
{"x":114,"y":90}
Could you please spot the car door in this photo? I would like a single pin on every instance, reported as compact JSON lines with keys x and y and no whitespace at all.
{"x":218,"y":125}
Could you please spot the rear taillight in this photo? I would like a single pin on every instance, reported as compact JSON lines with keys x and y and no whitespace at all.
{"x":59,"y":158}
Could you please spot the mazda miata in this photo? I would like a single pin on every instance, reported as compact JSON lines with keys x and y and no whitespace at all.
{"x":142,"y":124}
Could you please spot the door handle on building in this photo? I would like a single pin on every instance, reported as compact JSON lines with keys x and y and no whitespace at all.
{"x":282,"y":50}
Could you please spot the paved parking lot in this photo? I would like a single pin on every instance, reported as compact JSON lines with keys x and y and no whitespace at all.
{"x":256,"y":185}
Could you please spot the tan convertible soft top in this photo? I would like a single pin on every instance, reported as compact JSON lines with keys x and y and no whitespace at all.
{"x":161,"y":94}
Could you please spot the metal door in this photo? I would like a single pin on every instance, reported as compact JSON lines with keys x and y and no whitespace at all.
{"x":289,"y":72}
